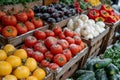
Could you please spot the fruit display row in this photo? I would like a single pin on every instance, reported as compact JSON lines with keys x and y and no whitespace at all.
{"x":16,"y":65}
{"x":15,"y":22}
{"x":105,"y":14}
{"x":54,"y":12}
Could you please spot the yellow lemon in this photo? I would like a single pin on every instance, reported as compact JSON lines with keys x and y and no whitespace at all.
{"x":9,"y":48}
{"x":10,"y":77}
{"x":21,"y":53}
{"x":3,"y":55}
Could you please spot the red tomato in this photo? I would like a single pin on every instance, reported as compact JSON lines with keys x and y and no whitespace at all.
{"x":45,"y":63}
{"x":67,"y":54}
{"x":30,"y":41}
{"x":75,"y":34}
{"x":38,"y":56}
{"x":68,"y":32}
{"x":29,"y":52}
{"x":61,"y":36}
{"x":24,"y":47}
{"x":29,"y":12}
{"x":30,"y":26}
{"x":70,"y":40}
{"x":74,"y":49}
{"x":40,"y":47}
{"x":82,"y":45}
{"x":40,"y":34}
{"x":60,"y":59}
{"x":2,"y":14}
{"x":56,"y":49}
{"x":49,"y":33}
{"x":53,"y":66}
{"x":22,"y":16}
{"x":49,"y":41}
{"x":63,"y":43}
{"x":0,"y":29}
{"x":37,"y":22}
{"x":77,"y":40}
{"x":9,"y":20}
{"x":57,"y":30}
{"x":21,"y":28}
{"x":48,"y":56}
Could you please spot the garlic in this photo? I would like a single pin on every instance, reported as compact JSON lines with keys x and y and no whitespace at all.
{"x":78,"y":23}
{"x":101,"y":24}
{"x":84,"y":17}
{"x":70,"y":24}
{"x":77,"y":30}
{"x":90,"y":36}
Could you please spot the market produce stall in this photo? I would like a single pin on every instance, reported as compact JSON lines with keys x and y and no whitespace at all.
{"x":59,"y":40}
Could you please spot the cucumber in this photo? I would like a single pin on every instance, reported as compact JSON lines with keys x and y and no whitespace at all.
{"x":86,"y":76}
{"x":81,"y":72}
{"x":112,"y":69}
{"x":102,"y":63}
{"x":100,"y":74}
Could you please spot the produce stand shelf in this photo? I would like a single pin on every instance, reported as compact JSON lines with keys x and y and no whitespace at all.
{"x":69,"y":68}
{"x":19,"y":39}
{"x":49,"y":74}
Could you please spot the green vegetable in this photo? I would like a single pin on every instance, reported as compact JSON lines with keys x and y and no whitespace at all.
{"x":102,"y":63}
{"x":100,"y":74}
{"x":112,"y":69}
{"x":113,"y":77}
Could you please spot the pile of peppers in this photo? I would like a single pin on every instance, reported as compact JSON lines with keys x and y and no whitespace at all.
{"x":105,"y":14}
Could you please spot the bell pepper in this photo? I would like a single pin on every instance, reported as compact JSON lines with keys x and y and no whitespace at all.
{"x":99,"y":19}
{"x":104,"y":14}
{"x":106,"y":7}
{"x":111,"y":19}
{"x":93,"y":14}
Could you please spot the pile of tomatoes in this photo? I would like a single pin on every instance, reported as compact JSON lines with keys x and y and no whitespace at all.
{"x":15,"y":22}
{"x":53,"y":48}
{"x":15,"y":65}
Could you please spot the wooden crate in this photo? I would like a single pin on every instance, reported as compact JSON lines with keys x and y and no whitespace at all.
{"x":21,"y":6}
{"x":49,"y":74}
{"x":108,"y":40}
{"x":94,"y":45}
{"x":19,"y":39}
{"x":70,"y":67}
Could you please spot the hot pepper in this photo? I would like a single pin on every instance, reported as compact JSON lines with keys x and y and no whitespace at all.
{"x":111,"y":19}
{"x":99,"y":19}
{"x":93,"y":14}
{"x":104,"y":14}
{"x":106,"y":7}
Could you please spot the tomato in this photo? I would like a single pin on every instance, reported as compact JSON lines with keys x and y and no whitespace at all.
{"x":49,"y":41}
{"x":49,"y":33}
{"x":1,"y":28}
{"x":14,"y":11}
{"x":63,"y":43}
{"x":75,"y":34}
{"x":40,"y":35}
{"x":9,"y":31}
{"x":29,"y":12}
{"x":40,"y":47}
{"x":68,"y":32}
{"x":30,"y":26}
{"x":22,"y":17}
{"x":9,"y":20}
{"x":70,"y":40}
{"x":38,"y":56}
{"x":2,"y":14}
{"x":82,"y":45}
{"x":44,"y":63}
{"x":39,"y":73}
{"x":74,"y":49}
{"x":77,"y":40}
{"x":15,"y":61}
{"x":3,"y":55}
{"x":48,"y":56}
{"x":21,"y":53}
{"x":37,"y":22}
{"x":57,"y":30}
{"x":9,"y":48}
{"x":53,"y":66}
{"x":30,"y":41}
{"x":61,"y":36}
{"x":60,"y":59}
{"x":10,"y":77}
{"x":56,"y":49}
{"x":29,"y":52}
{"x":21,"y":28}
{"x":31,"y":64}
{"x":21,"y":72}
{"x":5,"y":68}
{"x":67,"y":54}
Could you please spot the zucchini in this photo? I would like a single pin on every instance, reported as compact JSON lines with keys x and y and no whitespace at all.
{"x":100,"y":74}
{"x":81,"y":72}
{"x":102,"y":63}
{"x":112,"y":69}
{"x":86,"y":76}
